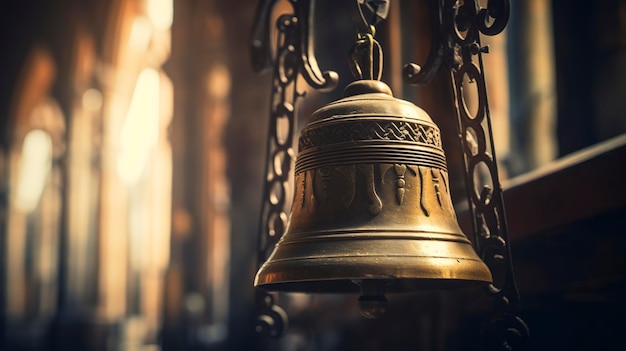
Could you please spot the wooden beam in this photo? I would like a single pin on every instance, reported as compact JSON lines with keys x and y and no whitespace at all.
{"x":580,"y":186}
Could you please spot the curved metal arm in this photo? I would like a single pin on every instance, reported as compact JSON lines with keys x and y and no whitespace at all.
{"x":327,"y":80}
{"x":260,"y":52}
{"x":499,"y":11}
{"x":303,"y":44}
{"x":423,"y":74}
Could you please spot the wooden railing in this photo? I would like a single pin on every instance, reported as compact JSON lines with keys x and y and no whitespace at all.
{"x":581,"y":186}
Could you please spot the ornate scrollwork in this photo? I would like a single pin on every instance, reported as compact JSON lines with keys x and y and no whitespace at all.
{"x":498,"y":11}
{"x":300,"y":42}
{"x":423,"y":74}
{"x":453,"y":24}
{"x":271,"y":319}
{"x":458,"y":40}
{"x":455,"y":42}
{"x":506,"y":332}
{"x":294,"y":57}
{"x":485,"y":197}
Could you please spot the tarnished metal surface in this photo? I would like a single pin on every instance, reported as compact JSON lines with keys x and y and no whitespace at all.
{"x":371,"y":203}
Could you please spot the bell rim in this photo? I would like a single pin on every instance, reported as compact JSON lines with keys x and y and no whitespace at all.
{"x":336,"y":275}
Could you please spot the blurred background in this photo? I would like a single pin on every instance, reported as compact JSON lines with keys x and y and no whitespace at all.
{"x":132,"y":138}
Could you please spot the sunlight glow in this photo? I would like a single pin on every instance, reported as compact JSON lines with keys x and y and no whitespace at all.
{"x":92,"y":99}
{"x":34,"y":168}
{"x":141,"y":127}
{"x":161,"y":13}
{"x":140,"y":34}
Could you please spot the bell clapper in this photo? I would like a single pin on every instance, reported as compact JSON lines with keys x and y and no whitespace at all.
{"x":372,"y":301}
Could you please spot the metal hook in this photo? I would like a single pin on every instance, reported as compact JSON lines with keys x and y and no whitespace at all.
{"x":366,"y":57}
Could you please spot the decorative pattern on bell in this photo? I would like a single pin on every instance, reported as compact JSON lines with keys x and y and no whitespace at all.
{"x":372,"y":208}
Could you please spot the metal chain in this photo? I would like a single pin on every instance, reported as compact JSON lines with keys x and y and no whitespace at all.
{"x":271,"y":318}
{"x":505,"y":330}
{"x":457,"y":26}
{"x":294,"y":58}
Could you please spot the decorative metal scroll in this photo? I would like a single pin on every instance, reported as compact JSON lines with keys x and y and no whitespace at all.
{"x":294,"y":57}
{"x":456,"y":47}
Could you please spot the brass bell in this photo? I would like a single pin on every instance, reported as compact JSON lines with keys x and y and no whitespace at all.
{"x":372,"y":210}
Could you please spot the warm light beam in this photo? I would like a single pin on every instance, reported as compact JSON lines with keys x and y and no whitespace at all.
{"x":141,"y":127}
{"x":161,"y":13}
{"x":34,"y":168}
